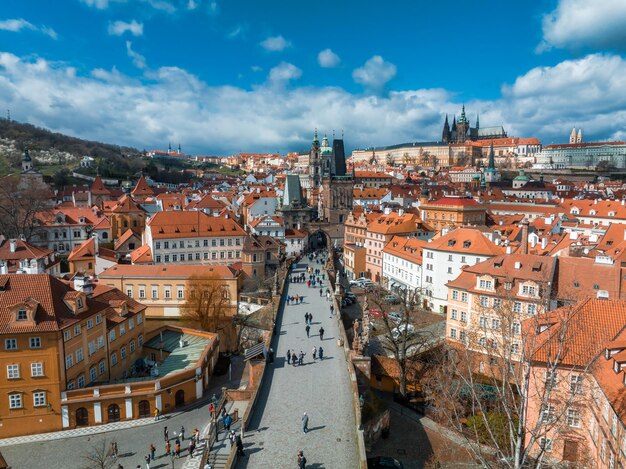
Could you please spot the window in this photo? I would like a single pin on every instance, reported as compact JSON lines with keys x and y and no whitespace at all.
{"x":573,"y":418}
{"x":80,"y":382}
{"x":132,"y":346}
{"x":35,"y":342}
{"x":166,"y":244}
{"x":531,"y":309}
{"x":611,"y":460}
{"x":517,"y":307}
{"x":547,"y":413}
{"x":516,"y":328}
{"x":449,"y":257}
{"x":449,"y":270}
{"x":453,"y":333}
{"x":91,"y":348}
{"x":79,"y":355}
{"x":485,"y":284}
{"x":140,"y":340}
{"x":551,"y":379}
{"x":455,"y":294}
{"x":139,"y":318}
{"x":514,"y":349}
{"x":614,"y":425}
{"x":462,"y":336}
{"x":79,"y":301}
{"x":603,"y":450}
{"x":98,"y":319}
{"x":100,"y":342}
{"x":101,"y":367}
{"x":180,"y":294}
{"x":464,"y":297}
{"x":155,"y":293}
{"x":482,"y":341}
{"x":545,"y":444}
{"x":454,"y":314}
{"x":69,"y":361}
{"x":429,"y":267}
{"x":36,"y":369}
{"x":508,"y":285}
{"x":131,"y":324}
{"x":93,"y":374}
{"x":22,"y":315}
{"x":89,"y":323}
{"x":495,"y":324}
{"x":10,"y":344}
{"x":142,"y":293}
{"x":484,"y":301}
{"x":70,"y":385}
{"x":158,"y":258}
{"x":111,"y":335}
{"x":39,"y":399}
{"x":122,"y":329}
{"x":113,"y":359}
{"x":129,"y":292}
{"x":168,"y":293}
{"x":482,"y":321}
{"x":576,"y":384}
{"x":497,"y":303}
{"x":463,"y":316}
{"x":157,"y":245}
{"x":76,"y":330}
{"x":123,"y":352}
{"x":13,"y":371}
{"x":15,"y":401}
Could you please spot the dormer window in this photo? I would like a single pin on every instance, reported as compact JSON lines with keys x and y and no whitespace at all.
{"x":486,"y":284}
{"x":467,"y":244}
{"x":22,"y":315}
{"x":592,"y":212}
{"x":79,"y":302}
{"x":508,"y":285}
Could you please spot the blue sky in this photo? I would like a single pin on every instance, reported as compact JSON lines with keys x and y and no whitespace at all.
{"x":227,"y":76}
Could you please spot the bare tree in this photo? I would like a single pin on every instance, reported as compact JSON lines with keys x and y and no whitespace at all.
{"x":484,"y":385}
{"x":21,"y":200}
{"x":208,"y":305}
{"x":389,"y":159}
{"x":98,"y":456}
{"x":406,"y":332}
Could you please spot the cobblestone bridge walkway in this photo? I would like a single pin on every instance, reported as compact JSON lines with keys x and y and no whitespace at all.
{"x":319,"y":388}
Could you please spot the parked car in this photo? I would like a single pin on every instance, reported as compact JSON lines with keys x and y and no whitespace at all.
{"x":355,"y":283}
{"x":376,"y":312}
{"x":392,"y":299}
{"x":395,"y":316}
{"x":401,"y":330}
{"x":384,"y":462}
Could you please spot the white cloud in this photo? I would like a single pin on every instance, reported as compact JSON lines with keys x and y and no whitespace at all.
{"x":20,"y":24}
{"x":138,"y":60}
{"x":99,"y":4}
{"x":192,"y":5}
{"x":237,"y":31}
{"x":328,"y":59}
{"x":256,"y":68}
{"x":284,"y":72}
{"x":375,"y":73}
{"x":275,"y":44}
{"x":118,"y":28}
{"x":596,"y":24}
{"x":172,"y":104}
{"x":214,"y":8}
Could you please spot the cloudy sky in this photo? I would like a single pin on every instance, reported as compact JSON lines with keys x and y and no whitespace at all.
{"x":226,"y":76}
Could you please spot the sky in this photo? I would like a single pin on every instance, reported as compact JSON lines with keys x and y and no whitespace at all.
{"x":228,"y":76}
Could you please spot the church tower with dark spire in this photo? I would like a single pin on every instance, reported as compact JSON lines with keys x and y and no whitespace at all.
{"x":446,"y":135}
{"x":462,"y":127}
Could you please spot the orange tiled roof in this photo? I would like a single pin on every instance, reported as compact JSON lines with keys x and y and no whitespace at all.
{"x":394,"y":223}
{"x":169,"y":270}
{"x":186,"y":224}
{"x":465,"y":240}
{"x":408,"y":248}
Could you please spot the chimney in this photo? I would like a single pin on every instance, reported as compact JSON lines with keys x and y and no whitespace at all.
{"x":524,"y":245}
{"x":96,"y":243}
{"x":13,"y":245}
{"x":533,"y":241}
{"x":4,"y":269}
{"x":400,"y":212}
{"x":544,"y":243}
{"x":79,"y":282}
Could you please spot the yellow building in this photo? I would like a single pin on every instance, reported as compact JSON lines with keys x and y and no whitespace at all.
{"x":453,"y":211}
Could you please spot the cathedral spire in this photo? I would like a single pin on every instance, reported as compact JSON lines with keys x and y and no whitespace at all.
{"x":316,"y":142}
{"x":492,"y":158}
{"x":477,"y":121}
{"x":445,"y":135}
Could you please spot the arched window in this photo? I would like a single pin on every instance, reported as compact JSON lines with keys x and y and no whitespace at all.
{"x":144,"y":409}
{"x":82,"y":417}
{"x":113,"y":413}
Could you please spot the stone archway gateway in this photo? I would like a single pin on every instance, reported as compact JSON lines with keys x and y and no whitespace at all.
{"x":318,"y":240}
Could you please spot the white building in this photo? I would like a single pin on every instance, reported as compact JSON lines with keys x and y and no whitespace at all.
{"x":267,"y":225}
{"x":402,"y":264}
{"x":444,"y":257}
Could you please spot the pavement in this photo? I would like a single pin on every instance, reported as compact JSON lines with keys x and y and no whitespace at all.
{"x":320,"y":388}
{"x":68,"y":449}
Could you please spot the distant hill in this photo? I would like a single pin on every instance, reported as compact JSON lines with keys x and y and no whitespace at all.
{"x":54,"y":152}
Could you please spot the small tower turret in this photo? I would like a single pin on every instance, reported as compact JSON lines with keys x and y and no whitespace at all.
{"x":27,"y":162}
{"x":572,"y":136}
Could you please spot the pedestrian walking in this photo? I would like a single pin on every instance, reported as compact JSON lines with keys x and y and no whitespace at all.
{"x":308,"y":328}
{"x":305,"y":423}
{"x":310,"y":319}
{"x":321,"y":291}
{"x":156,"y":414}
{"x":332,"y":310}
{"x":177,"y":448}
{"x":211,"y":410}
{"x":152,"y":451}
{"x":294,"y":359}
{"x":301,"y":460}
{"x":168,"y":448}
{"x":166,"y":434}
{"x":301,"y":360}
{"x":320,"y":351}
{"x":147,"y":459}
{"x":232,"y":438}
{"x":239,"y":444}
{"x":321,"y":333}
{"x":196,"y":436}
{"x":314,"y":352}
{"x":191,"y":448}
{"x":306,"y":317}
{"x":114,"y":449}
{"x":182,"y":432}
{"x":288,"y":357}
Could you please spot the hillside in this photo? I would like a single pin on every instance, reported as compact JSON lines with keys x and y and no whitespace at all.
{"x":54,"y":152}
